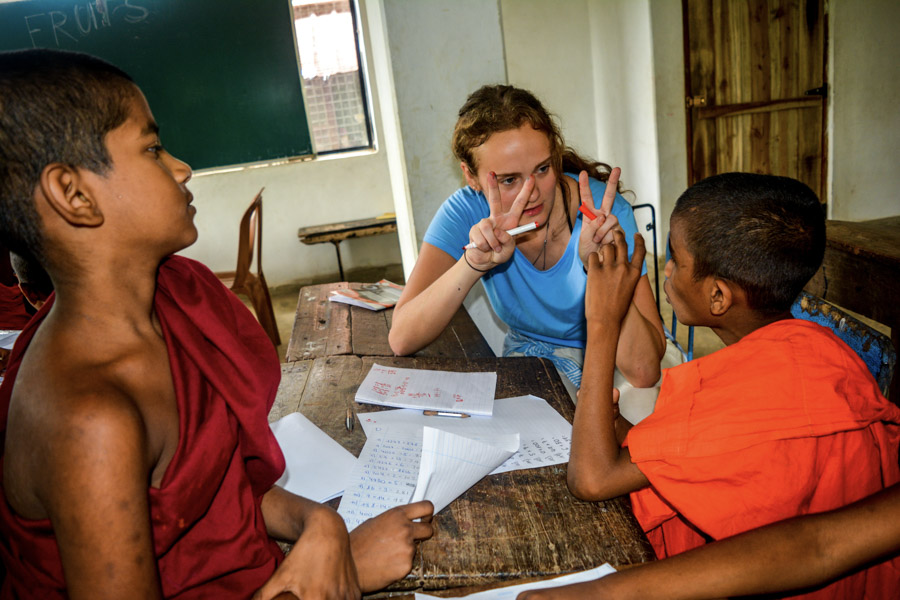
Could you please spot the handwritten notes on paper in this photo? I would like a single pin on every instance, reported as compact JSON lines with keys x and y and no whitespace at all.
{"x":385,"y":475}
{"x":451,"y":464}
{"x":404,"y":465}
{"x":469,"y":393}
{"x":545,"y":436}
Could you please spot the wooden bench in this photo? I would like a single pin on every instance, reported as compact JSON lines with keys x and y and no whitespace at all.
{"x":338,"y":232}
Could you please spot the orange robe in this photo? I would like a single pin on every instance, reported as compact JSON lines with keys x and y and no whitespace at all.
{"x":788,"y":421}
{"x":209,"y":537}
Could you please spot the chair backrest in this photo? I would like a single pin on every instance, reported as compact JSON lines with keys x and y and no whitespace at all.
{"x":249,"y":237}
{"x":874,"y":348}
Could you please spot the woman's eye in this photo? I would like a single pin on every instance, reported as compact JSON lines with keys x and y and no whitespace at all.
{"x":543,"y":169}
{"x":507,"y":181}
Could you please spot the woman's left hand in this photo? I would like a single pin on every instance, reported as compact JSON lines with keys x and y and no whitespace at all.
{"x":596,"y":232}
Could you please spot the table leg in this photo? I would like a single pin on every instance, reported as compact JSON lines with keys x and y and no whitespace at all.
{"x":337,"y":249}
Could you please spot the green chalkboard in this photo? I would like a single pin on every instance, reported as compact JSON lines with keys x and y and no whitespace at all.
{"x":221,"y":76}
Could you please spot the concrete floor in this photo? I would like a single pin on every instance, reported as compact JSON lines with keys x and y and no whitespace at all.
{"x":284,"y":301}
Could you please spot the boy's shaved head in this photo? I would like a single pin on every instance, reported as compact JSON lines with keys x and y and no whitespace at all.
{"x":55,"y":107}
{"x":764,"y":233}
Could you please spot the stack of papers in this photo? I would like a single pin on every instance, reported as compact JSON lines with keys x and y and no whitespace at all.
{"x":545,"y":437}
{"x":466,"y":393}
{"x":408,"y":465}
{"x":374,"y":296}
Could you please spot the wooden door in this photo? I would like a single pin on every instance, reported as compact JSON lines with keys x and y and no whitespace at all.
{"x":755,"y":82}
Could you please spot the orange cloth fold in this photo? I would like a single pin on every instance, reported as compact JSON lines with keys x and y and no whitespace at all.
{"x":786,"y":422}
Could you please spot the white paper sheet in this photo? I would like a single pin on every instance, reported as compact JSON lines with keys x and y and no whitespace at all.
{"x":510,"y":592}
{"x":317,"y":466}
{"x":385,"y":475}
{"x":388,"y":470}
{"x":451,"y":464}
{"x":545,"y":436}
{"x":8,"y":338}
{"x":470,"y":393}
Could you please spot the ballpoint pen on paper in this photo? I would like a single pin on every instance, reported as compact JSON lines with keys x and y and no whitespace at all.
{"x":349,"y":422}
{"x":513,"y":232}
{"x":445,"y":413}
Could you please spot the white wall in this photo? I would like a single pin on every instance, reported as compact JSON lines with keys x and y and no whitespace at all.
{"x":440,"y":52}
{"x":548,"y":52}
{"x":865,"y":132}
{"x":671,"y":123}
{"x":624,"y":88}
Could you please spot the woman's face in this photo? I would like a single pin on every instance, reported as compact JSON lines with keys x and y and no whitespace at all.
{"x":514,"y":155}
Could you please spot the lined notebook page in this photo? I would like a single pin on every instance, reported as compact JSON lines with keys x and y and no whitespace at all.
{"x":451,"y":464}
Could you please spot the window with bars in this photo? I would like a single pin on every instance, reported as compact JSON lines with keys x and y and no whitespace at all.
{"x":333,"y":82}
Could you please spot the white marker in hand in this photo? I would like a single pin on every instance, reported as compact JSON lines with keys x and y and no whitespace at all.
{"x":513,"y":232}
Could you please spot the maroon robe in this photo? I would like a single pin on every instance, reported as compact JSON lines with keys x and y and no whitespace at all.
{"x":208,"y":532}
{"x":13,"y":312}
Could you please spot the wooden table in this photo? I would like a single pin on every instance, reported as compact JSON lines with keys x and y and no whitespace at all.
{"x":338,"y":232}
{"x":508,"y":526}
{"x":325,"y":328}
{"x":861,"y":272}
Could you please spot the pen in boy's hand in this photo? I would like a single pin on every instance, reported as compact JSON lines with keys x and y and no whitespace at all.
{"x":445,"y":413}
{"x":513,"y":232}
{"x":349,"y":422}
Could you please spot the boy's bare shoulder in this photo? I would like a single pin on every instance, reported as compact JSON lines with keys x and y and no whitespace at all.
{"x":71,"y":411}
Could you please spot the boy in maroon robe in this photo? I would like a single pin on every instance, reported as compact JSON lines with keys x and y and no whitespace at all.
{"x":137,"y":459}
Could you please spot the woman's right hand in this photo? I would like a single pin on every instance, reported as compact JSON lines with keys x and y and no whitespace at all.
{"x":493,"y":246}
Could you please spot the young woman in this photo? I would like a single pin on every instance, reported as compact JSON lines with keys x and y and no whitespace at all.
{"x":519,"y":171}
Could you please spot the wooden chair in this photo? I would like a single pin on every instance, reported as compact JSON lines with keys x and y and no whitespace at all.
{"x":242,"y":280}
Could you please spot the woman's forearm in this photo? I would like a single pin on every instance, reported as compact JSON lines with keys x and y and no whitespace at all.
{"x":640,"y":350}
{"x":421,"y":319}
{"x":642,"y":342}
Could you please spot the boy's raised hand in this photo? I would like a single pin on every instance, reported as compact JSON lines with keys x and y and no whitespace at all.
{"x":384,"y":546}
{"x":612,"y":278}
{"x":597,"y":232}
{"x":493,"y":246}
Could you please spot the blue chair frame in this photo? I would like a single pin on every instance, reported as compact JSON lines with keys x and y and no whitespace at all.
{"x":874,"y":348}
{"x":686,"y":354}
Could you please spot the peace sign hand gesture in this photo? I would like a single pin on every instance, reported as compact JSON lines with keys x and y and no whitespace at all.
{"x":493,"y":246}
{"x":596,"y":232}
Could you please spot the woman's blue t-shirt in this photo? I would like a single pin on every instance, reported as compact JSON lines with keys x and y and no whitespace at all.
{"x":547,"y":305}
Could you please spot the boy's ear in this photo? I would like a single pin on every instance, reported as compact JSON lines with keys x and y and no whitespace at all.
{"x":721,"y":296}
{"x":471,"y":179}
{"x":62,"y":189}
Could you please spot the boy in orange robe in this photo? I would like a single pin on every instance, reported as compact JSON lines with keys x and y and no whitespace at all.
{"x":784,"y":421}
{"x":136,"y":456}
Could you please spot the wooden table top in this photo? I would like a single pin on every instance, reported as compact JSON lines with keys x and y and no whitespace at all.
{"x":325,"y":328}
{"x":508,"y":526}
